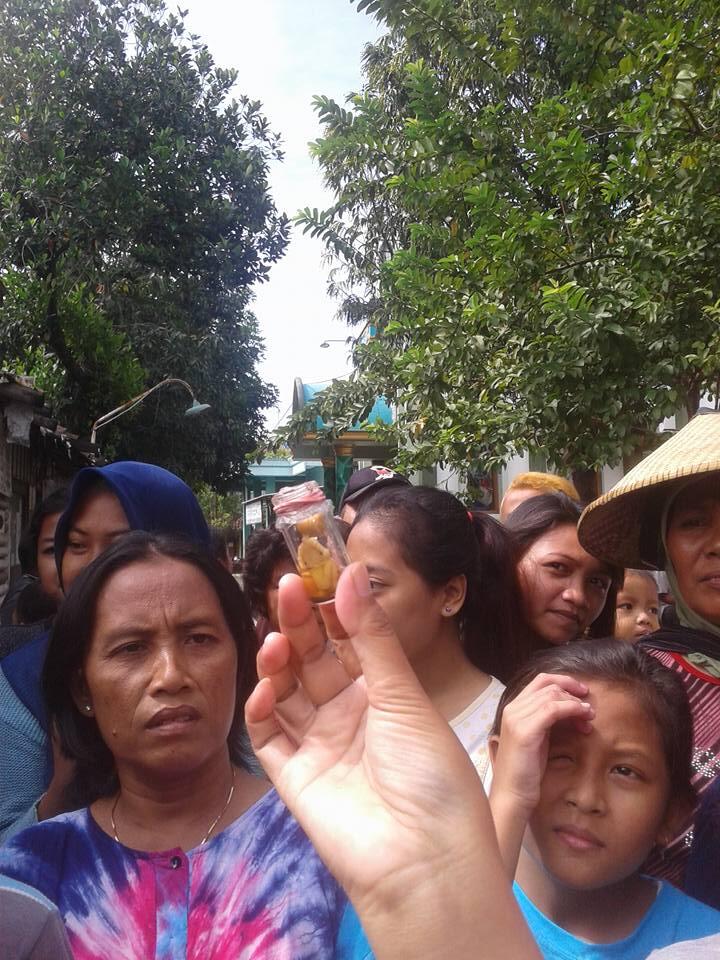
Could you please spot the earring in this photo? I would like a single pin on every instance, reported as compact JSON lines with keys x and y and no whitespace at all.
{"x":448,"y":610}
{"x":87,"y":708}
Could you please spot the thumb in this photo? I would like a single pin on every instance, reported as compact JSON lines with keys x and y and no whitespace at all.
{"x":373,"y":638}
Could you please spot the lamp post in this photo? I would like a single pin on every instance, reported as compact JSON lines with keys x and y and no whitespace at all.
{"x":194,"y":408}
{"x":369,"y":325}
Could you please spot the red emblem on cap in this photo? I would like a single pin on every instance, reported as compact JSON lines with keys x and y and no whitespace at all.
{"x":384,"y":473}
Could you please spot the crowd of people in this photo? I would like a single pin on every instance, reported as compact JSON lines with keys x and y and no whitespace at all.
{"x":502,"y":742}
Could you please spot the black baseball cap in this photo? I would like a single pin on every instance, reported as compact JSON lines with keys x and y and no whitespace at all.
{"x":362,"y":481}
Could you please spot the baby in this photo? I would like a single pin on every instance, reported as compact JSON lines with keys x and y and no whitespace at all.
{"x":637,"y":608}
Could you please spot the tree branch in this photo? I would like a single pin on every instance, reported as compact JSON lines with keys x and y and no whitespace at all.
{"x":58,"y":344}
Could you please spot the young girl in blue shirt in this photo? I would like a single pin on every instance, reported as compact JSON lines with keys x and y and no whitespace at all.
{"x":592,"y":748}
{"x":591,"y":751}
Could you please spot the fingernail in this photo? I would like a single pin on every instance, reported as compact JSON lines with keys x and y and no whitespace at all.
{"x":588,"y":706}
{"x":361,"y":581}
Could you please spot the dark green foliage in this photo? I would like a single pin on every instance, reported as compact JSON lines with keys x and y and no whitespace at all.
{"x":134,"y":217}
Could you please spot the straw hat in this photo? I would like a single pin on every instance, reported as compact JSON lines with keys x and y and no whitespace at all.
{"x":623,"y":526}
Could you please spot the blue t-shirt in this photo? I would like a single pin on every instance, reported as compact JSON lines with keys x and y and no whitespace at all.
{"x":672,"y":918}
{"x":352,"y":943}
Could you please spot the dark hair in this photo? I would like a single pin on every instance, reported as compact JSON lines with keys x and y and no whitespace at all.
{"x":34,"y":605}
{"x":265,"y":549}
{"x":53,"y":503}
{"x":537,"y":516}
{"x":219,"y":539}
{"x":439,"y":539}
{"x":72,"y":634}
{"x":659,"y":691}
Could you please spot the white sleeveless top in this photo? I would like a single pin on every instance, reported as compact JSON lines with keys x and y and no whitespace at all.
{"x":472,"y":728}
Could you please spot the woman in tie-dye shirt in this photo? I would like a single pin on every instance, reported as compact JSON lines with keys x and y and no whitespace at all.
{"x":182,"y":853}
{"x":257,"y":891}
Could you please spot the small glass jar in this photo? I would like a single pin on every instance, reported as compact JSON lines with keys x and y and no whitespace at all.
{"x":305,"y":518}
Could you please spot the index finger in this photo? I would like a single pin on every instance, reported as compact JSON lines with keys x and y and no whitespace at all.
{"x":570,"y":684}
{"x":318,"y":670}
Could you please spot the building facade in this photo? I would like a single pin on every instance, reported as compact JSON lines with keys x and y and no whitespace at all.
{"x":36,"y":456}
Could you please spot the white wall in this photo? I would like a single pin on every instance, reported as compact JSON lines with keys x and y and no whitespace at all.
{"x":610,"y":476}
{"x":446,"y":479}
{"x":520,"y":464}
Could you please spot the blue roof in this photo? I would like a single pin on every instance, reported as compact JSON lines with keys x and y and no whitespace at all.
{"x":380,"y":412}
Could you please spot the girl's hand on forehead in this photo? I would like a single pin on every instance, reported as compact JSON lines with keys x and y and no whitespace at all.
{"x":522,"y":752}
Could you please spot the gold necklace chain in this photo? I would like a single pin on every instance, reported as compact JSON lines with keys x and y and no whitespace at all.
{"x":212,"y":826}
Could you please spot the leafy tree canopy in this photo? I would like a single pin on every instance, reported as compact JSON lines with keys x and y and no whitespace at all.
{"x":134,"y":218}
{"x":221,"y":510}
{"x":528,"y":211}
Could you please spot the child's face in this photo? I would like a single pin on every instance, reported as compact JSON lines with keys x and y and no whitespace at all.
{"x":636,"y":614}
{"x":604,"y":798}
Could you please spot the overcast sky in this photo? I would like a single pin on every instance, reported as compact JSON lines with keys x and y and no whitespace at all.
{"x":285,"y":52}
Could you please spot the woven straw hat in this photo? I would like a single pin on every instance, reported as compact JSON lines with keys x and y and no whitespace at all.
{"x":623,"y":526}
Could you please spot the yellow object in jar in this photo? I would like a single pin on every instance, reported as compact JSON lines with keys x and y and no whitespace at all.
{"x":317,"y":568}
{"x":313,"y":526}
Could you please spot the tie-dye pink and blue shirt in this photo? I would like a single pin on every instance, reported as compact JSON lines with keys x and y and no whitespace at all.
{"x":257,"y":891}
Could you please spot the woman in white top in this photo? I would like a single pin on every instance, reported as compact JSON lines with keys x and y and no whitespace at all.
{"x":445,"y":579}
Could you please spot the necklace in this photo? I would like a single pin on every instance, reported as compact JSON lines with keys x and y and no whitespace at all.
{"x":210,"y":829}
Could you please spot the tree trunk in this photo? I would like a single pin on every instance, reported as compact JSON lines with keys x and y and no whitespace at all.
{"x":692,"y":401}
{"x":587,"y":484}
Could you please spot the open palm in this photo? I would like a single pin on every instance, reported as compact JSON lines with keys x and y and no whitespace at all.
{"x":373,"y":773}
{"x":382,"y":786}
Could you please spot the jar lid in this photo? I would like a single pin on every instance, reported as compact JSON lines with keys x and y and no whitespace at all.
{"x":295,"y":498}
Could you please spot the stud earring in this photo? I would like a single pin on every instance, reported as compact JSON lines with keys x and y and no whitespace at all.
{"x":448,"y":609}
{"x":88,"y":708}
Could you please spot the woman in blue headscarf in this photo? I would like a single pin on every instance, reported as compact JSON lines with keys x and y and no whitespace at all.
{"x":104,"y":503}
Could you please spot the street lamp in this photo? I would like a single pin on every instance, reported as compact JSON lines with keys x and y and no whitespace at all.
{"x":193,"y":410}
{"x":326,"y":343}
